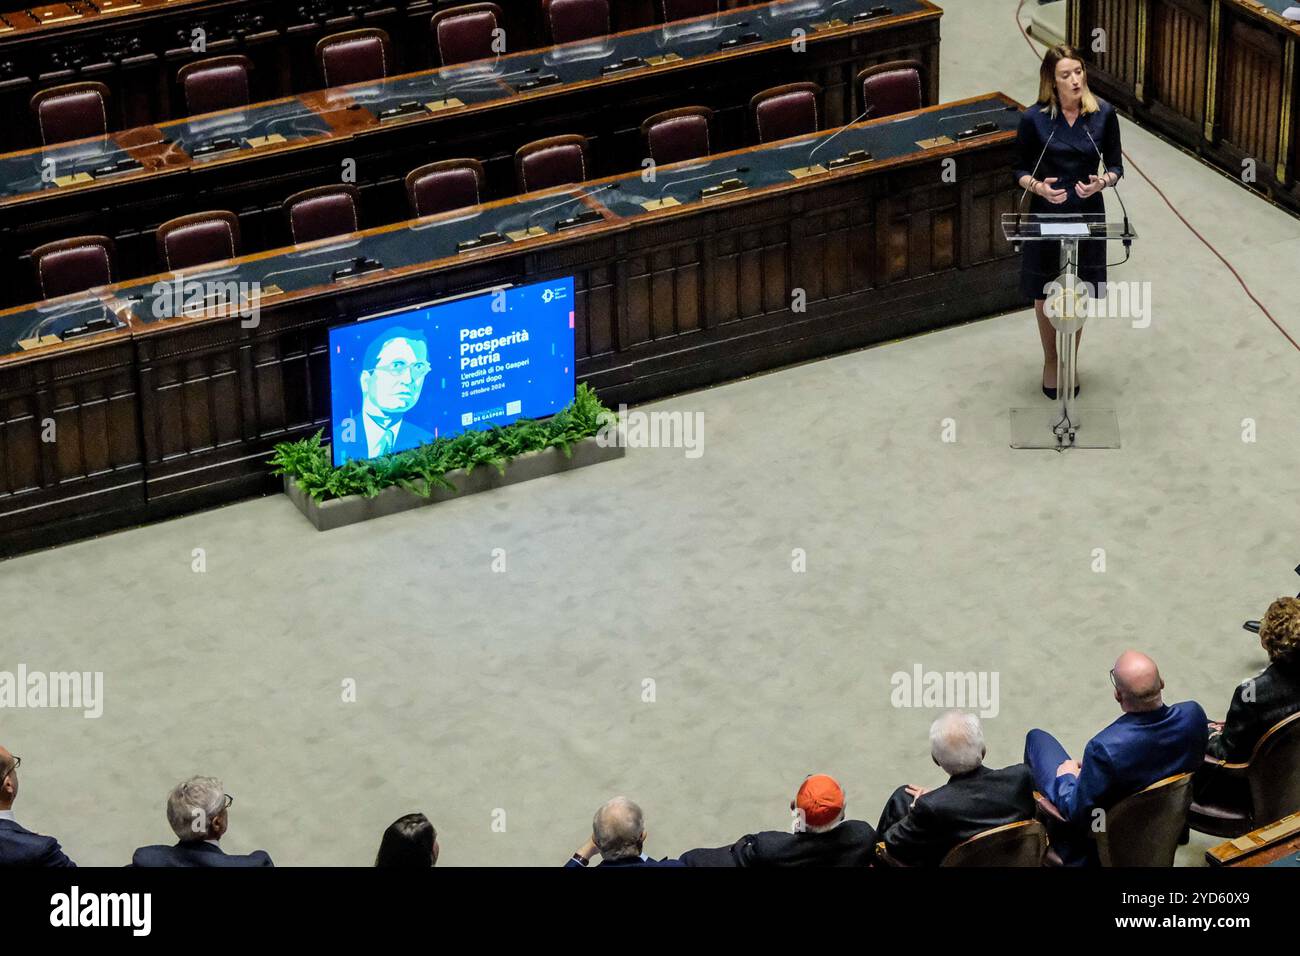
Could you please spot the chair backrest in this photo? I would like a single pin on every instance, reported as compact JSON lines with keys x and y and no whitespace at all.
{"x":465,"y":33}
{"x":1014,"y":844}
{"x":549,"y":162}
{"x":1274,"y":772}
{"x":217,"y":83}
{"x":197,"y":239}
{"x":1144,"y":829}
{"x":894,"y":87}
{"x":676,"y":135}
{"x":685,"y":9}
{"x":569,"y":20}
{"x":445,"y":185}
{"x":323,"y":212}
{"x":355,"y":56}
{"x":71,"y":111}
{"x":789,"y":110}
{"x":73,"y":265}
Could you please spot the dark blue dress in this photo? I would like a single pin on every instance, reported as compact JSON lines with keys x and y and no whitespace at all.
{"x":1071,"y":157}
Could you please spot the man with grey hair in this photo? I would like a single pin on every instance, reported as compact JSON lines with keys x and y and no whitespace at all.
{"x":618,"y":834}
{"x":20,"y":847}
{"x":1151,"y":740}
{"x":198,"y":811}
{"x":919,"y":826}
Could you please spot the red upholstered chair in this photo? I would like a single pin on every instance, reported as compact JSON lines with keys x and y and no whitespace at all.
{"x":783,"y":111}
{"x":217,"y":83}
{"x":323,"y":212}
{"x":197,"y":239}
{"x":569,"y":20}
{"x":551,"y":162}
{"x":73,"y":265}
{"x":461,"y":34}
{"x":71,"y":111}
{"x":356,"y":56}
{"x":894,"y":87}
{"x":676,"y":135}
{"x":449,"y":184}
{"x":685,"y":9}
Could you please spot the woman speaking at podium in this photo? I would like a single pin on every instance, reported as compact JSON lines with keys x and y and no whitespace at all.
{"x":1062,"y":140}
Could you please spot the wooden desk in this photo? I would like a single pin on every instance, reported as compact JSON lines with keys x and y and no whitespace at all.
{"x":1215,"y":76}
{"x":1260,"y":847}
{"x":482,"y":110}
{"x":164,"y":415}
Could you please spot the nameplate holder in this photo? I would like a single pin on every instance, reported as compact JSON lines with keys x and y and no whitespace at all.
{"x":934,"y":141}
{"x":482,"y":241}
{"x":835,"y":23}
{"x":271,"y":289}
{"x":450,"y":103}
{"x":650,"y":205}
{"x":532,"y":232}
{"x":664,"y":59}
{"x":29,"y":344}
{"x":852,"y":158}
{"x":75,"y":179}
{"x":803,"y":172}
{"x":57,"y":15}
{"x":723,"y":188}
{"x":258,"y":142}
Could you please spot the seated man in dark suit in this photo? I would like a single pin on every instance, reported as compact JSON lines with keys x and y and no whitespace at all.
{"x":821,"y":837}
{"x":1151,"y":740}
{"x":198,"y":811}
{"x":618,"y":834}
{"x":18,"y":845}
{"x":1257,"y":705}
{"x":919,"y":826}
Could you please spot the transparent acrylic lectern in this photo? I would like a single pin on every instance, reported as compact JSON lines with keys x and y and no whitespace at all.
{"x":1065,"y":424}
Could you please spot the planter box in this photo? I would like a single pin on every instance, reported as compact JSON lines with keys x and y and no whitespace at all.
{"x":337,"y":512}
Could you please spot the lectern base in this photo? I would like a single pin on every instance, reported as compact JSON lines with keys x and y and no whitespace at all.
{"x":1038,"y":428}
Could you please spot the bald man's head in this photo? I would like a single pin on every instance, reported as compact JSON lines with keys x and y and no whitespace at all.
{"x":618,"y":829}
{"x":1137,"y":683}
{"x":8,"y":779}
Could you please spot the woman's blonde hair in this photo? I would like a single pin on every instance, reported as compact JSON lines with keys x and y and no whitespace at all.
{"x":1047,"y":80}
{"x":1279,"y":632}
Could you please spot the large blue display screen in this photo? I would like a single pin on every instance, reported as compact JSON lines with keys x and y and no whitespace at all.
{"x":405,"y":378}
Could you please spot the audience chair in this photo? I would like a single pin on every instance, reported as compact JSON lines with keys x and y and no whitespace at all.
{"x":784,"y":111}
{"x":464,"y":33}
{"x":356,"y":56}
{"x":685,"y":9}
{"x":893,"y":87}
{"x":569,"y":20}
{"x":1141,"y":830}
{"x":1273,"y":776}
{"x":1015,"y":844}
{"x":217,"y":83}
{"x":197,"y":239}
{"x":71,"y":111}
{"x":551,"y":162}
{"x":442,"y":186}
{"x":73,"y":265}
{"x":676,"y":135}
{"x":323,"y":212}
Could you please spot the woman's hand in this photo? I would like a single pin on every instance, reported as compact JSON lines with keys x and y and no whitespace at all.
{"x":1094,"y":185}
{"x":1050,"y":193}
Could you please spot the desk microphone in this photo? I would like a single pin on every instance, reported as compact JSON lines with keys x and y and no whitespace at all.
{"x":865,"y":113}
{"x":571,"y":199}
{"x":1127,"y":241}
{"x":1020,"y":216}
{"x":691,"y":179}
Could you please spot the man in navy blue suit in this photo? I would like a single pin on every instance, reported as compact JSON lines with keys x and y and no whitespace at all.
{"x":1151,"y":740}
{"x":199,"y":813}
{"x":20,"y":846}
{"x":618,"y":834}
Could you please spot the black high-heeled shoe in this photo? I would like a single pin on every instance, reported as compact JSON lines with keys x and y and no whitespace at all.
{"x":1051,"y":392}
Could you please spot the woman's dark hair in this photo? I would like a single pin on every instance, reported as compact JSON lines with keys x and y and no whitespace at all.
{"x":408,"y":842}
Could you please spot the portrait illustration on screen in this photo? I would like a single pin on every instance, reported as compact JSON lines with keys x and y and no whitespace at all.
{"x":392,"y":377}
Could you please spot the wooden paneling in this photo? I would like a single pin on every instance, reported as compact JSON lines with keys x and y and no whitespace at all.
{"x":1180,"y":36}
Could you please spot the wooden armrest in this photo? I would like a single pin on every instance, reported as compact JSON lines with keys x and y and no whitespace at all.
{"x":1047,"y":807}
{"x":1224,"y":767}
